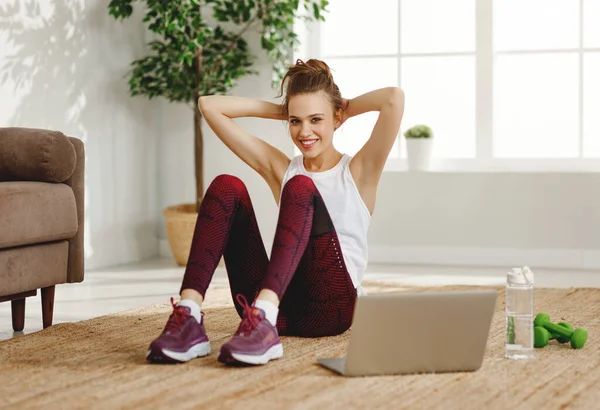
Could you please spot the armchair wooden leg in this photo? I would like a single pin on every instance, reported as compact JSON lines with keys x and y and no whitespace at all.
{"x":47,"y":305}
{"x":18,"y":314}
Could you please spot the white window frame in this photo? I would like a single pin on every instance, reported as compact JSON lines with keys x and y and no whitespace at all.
{"x":484,"y":56}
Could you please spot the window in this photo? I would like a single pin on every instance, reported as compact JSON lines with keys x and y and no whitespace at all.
{"x":499,"y":81}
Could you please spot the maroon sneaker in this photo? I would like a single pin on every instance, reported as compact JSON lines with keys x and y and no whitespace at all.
{"x":256,"y":340}
{"x":182,"y":339}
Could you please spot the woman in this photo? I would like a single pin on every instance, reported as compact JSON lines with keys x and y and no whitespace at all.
{"x":309,"y":286}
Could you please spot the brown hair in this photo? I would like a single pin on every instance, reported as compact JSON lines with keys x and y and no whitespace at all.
{"x":309,"y":77}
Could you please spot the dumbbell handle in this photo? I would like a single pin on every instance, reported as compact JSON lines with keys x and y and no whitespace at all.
{"x":557,"y":329}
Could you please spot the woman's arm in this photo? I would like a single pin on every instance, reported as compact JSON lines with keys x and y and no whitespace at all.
{"x":219,"y":111}
{"x":236,"y":107}
{"x":370,"y":160}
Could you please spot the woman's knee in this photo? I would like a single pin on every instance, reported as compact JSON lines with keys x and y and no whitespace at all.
{"x":300,"y":180}
{"x":299,"y":183}
{"x":225,"y":183}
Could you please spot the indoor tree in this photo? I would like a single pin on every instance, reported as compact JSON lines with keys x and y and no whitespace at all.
{"x":198,"y":48}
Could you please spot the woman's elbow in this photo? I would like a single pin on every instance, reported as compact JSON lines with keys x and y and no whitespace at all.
{"x":396,"y":97}
{"x":203,"y":103}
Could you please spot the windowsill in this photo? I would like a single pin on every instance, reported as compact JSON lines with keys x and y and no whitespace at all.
{"x":517,"y":165}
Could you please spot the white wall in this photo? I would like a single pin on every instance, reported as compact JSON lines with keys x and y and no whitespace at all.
{"x":504,"y":219}
{"x":63,"y":68}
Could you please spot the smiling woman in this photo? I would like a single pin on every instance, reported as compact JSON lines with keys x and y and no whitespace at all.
{"x":313,"y":106}
{"x":309,"y":286}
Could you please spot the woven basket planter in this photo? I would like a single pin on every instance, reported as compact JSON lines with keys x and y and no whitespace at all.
{"x":180,"y":221}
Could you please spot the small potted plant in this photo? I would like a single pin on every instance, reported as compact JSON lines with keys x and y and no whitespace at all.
{"x":419,"y":141}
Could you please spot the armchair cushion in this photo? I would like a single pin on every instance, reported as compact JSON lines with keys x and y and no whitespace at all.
{"x":28,"y":154}
{"x":35,"y":212}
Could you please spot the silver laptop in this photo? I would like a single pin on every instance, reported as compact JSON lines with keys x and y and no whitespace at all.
{"x":407,"y":333}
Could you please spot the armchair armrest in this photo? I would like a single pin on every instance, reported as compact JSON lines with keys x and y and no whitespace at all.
{"x":76,"y":244}
{"x":28,"y":154}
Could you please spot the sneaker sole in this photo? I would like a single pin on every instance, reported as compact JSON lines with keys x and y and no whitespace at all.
{"x":169,"y":356}
{"x":228,"y":357}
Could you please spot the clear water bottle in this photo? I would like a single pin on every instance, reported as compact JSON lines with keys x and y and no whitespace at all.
{"x":519,"y":313}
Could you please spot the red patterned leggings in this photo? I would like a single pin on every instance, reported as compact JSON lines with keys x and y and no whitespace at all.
{"x":306,"y":270}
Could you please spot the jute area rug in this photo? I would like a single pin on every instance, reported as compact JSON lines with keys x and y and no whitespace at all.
{"x":100,"y":363}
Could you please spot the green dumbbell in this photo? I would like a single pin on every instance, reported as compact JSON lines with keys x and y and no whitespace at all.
{"x":577,"y":337}
{"x":563,"y":339}
{"x":541,"y":336}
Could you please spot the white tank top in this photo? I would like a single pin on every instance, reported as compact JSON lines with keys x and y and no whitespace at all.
{"x":348,"y":212}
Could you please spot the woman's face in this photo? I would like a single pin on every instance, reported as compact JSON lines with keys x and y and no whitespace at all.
{"x":312,"y":123}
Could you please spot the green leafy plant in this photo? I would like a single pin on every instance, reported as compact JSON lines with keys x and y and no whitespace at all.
{"x":419,"y":131}
{"x":199,"y":48}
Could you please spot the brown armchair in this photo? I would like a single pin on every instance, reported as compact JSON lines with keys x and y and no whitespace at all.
{"x":41,"y":217}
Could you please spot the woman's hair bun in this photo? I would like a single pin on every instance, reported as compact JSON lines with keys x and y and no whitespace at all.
{"x":310,"y":76}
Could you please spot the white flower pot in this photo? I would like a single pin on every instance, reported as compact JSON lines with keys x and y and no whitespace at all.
{"x":418,"y":152}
